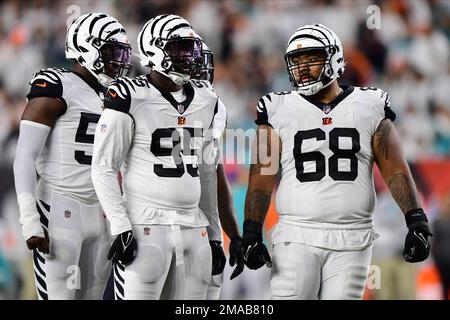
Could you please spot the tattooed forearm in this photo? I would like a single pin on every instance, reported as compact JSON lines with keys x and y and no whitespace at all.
{"x":257,"y":203}
{"x":382,"y":138}
{"x":403,"y":191}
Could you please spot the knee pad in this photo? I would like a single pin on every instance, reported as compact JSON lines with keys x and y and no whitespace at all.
{"x":295,"y":274}
{"x":102,"y":267}
{"x":150,"y":262}
{"x":201,"y":263}
{"x":62,"y":261}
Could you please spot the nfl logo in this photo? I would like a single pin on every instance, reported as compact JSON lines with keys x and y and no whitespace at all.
{"x":146,"y":231}
{"x":103,"y":128}
{"x":326,"y":109}
{"x":180,"y":108}
{"x":67,"y":214}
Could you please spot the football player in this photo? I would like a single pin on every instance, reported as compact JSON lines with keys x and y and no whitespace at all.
{"x":326,"y":137}
{"x":155,"y":126}
{"x":62,"y":220}
{"x":218,"y":209}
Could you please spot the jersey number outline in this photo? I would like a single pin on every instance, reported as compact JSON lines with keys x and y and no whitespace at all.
{"x":159,"y":151}
{"x":83,"y":137}
{"x":319,"y":158}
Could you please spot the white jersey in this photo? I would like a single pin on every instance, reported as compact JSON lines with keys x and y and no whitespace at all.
{"x":64,"y":166}
{"x":327,"y":157}
{"x":160,"y":155}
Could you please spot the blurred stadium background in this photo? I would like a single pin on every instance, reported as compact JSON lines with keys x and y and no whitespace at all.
{"x":408,"y":56}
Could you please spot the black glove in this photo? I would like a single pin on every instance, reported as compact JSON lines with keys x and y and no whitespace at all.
{"x":255,"y":252}
{"x":236,"y":256}
{"x":218,"y":257}
{"x":417,"y":246}
{"x":123,"y":248}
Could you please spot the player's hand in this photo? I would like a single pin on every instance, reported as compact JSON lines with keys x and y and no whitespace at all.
{"x":417,"y":246}
{"x":218,"y":257}
{"x":123,"y":248}
{"x":236,"y":256}
{"x":255,"y":252}
{"x":39,"y":243}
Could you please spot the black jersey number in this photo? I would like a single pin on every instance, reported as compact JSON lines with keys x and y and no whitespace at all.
{"x":318,"y":157}
{"x":83,"y":137}
{"x":184,"y":148}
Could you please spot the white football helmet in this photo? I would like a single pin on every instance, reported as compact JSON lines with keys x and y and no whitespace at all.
{"x":99,"y":43}
{"x":169,"y":45}
{"x":309,"y":38}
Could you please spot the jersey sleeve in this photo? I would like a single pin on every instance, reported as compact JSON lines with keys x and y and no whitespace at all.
{"x":220,"y":120}
{"x":382,"y":108}
{"x":118,"y":96}
{"x":113,"y":137}
{"x":262,"y":115}
{"x":46,"y":83}
{"x":386,"y":105}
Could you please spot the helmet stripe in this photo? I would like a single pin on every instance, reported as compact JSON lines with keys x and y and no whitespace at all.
{"x":314,"y":29}
{"x":155,"y":23}
{"x":329,"y":31}
{"x":141,"y":40}
{"x":181,"y":25}
{"x":100,"y":32}
{"x":94,"y":21}
{"x":115,"y":32}
{"x":165,"y":23}
{"x":307,"y":36}
{"x":75,"y":34}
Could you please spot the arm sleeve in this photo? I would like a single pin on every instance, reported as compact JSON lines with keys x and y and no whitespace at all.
{"x":112,"y":141}
{"x":208,"y":175}
{"x":31,"y":141}
{"x":208,"y":196}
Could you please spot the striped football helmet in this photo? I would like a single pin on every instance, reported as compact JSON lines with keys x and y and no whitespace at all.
{"x":169,"y":45}
{"x":311,"y":38}
{"x":99,"y":43}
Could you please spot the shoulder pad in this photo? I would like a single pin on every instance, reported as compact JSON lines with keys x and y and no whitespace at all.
{"x":118,"y":96}
{"x":384,"y":101}
{"x":203,"y":85}
{"x":47,"y":83}
{"x":262,"y":116}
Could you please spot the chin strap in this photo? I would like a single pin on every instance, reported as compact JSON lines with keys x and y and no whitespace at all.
{"x":175,"y":77}
{"x":178,"y":78}
{"x":311,"y":89}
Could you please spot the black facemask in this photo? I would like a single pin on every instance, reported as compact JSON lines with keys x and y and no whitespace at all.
{"x":186,"y":55}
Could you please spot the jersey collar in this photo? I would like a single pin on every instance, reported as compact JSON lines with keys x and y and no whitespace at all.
{"x":327,"y":107}
{"x":181,"y":107}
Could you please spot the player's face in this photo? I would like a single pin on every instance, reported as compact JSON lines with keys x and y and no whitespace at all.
{"x":308,"y":66}
{"x":186,"y":55}
{"x":117,"y":59}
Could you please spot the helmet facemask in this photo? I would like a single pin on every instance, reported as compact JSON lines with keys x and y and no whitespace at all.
{"x":185,"y":55}
{"x":113,"y":61}
{"x":207,"y":72}
{"x":299,"y":63}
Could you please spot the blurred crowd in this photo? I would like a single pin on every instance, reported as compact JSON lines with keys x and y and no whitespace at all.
{"x":400,"y":46}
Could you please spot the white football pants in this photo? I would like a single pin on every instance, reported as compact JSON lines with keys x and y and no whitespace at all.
{"x":76,"y":266}
{"x":305,"y":272}
{"x":172,"y":262}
